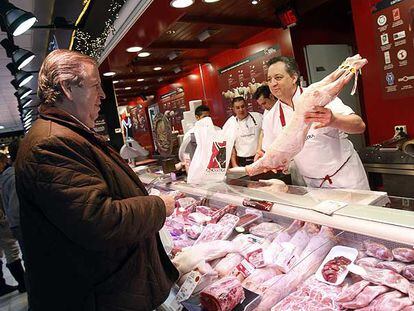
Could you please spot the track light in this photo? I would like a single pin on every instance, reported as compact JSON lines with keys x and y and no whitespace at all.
{"x":21,"y":77}
{"x":25,"y":102}
{"x":20,"y":57}
{"x":23,"y":92}
{"x":16,"y":21}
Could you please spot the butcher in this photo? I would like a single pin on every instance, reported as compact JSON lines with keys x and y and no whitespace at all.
{"x":328,"y":159}
{"x":246,"y":127}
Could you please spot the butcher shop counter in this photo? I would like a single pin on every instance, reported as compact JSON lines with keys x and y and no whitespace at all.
{"x":358,"y":211}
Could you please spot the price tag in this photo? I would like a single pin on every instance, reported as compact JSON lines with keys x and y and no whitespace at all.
{"x":329,"y":207}
{"x":245,"y":268}
{"x":188,"y":286}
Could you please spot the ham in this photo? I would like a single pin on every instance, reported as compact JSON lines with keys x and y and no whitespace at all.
{"x":403,"y":254}
{"x":365,"y":297}
{"x":222,"y":295}
{"x":388,"y":301}
{"x":392,"y":265}
{"x":292,"y":138}
{"x":350,"y":292}
{"x":378,"y":250}
{"x":409,"y":272}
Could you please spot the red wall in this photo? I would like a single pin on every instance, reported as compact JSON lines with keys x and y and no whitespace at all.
{"x":192,"y":84}
{"x":381,"y":114}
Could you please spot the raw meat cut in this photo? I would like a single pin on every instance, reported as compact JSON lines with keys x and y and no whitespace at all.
{"x":210,"y":233}
{"x":226,"y":265}
{"x":265,"y":229}
{"x":390,"y":279}
{"x":408,"y":308}
{"x":368,"y":262}
{"x":228,"y":222}
{"x":292,"y":138}
{"x":192,"y":256}
{"x":269,"y":283}
{"x":392,"y":265}
{"x":350,"y":292}
{"x":222,"y":295}
{"x":311,"y":296}
{"x":365,"y":297}
{"x":378,"y":250}
{"x":311,"y":258}
{"x":403,"y":254}
{"x":387,"y":302}
{"x":409,"y":272}
{"x":334,"y":267}
{"x":259,"y":276}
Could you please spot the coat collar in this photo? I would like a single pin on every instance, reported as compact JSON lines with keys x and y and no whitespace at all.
{"x":66,"y":119}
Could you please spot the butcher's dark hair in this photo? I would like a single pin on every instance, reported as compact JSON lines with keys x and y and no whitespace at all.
{"x":13,"y":148}
{"x":200,"y":109}
{"x":292,"y":67}
{"x":262,"y":90}
{"x":237,"y":99}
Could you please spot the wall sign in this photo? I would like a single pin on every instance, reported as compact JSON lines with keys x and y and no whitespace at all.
{"x":394,"y":22}
{"x":244,"y":77}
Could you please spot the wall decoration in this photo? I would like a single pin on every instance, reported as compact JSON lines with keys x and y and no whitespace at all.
{"x":244,"y":77}
{"x":172,"y":105}
{"x":393,"y":21}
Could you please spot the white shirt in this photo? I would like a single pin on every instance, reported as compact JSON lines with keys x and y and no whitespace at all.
{"x":246,"y":133}
{"x":325,"y":149}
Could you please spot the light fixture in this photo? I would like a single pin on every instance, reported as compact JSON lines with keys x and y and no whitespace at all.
{"x":140,"y":79}
{"x":172,"y":55}
{"x":1,"y":127}
{"x":115,"y":81}
{"x":15,"y":20}
{"x":204,"y":35}
{"x":180,"y":4}
{"x":170,"y":32}
{"x":160,"y":79}
{"x":177,"y":69}
{"x":25,"y":103}
{"x":144,"y":54}
{"x":109,"y":74}
{"x":210,"y":1}
{"x":127,"y":88}
{"x":27,"y":117}
{"x":134,"y":49}
{"x":23,"y":77}
{"x":255,"y":2}
{"x":157,"y":68}
{"x":20,"y":57}
{"x":23,"y":92}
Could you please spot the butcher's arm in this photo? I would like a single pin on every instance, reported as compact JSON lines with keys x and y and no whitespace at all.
{"x":259,"y":151}
{"x":234,"y":158}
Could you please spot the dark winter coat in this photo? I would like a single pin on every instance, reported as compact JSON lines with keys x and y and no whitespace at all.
{"x":89,"y":227}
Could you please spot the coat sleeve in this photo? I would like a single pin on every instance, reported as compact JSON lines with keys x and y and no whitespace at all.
{"x":73,"y":195}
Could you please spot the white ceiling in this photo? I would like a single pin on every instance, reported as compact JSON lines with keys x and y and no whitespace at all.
{"x":33,"y":40}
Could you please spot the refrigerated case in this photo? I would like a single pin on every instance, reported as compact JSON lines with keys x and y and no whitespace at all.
{"x":362,"y":216}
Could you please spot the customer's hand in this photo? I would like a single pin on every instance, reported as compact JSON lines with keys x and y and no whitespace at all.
{"x":169,"y":203}
{"x":258,"y":155}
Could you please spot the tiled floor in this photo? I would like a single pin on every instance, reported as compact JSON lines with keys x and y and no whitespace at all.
{"x":13,"y":301}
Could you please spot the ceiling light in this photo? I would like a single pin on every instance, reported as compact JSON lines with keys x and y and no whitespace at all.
{"x":109,"y":74}
{"x":180,"y":4}
{"x":160,"y":79}
{"x":157,"y":68}
{"x":20,"y":57}
{"x":255,"y":1}
{"x":23,"y":77}
{"x":115,"y":81}
{"x":23,"y":92}
{"x":128,"y":88}
{"x":177,"y":69}
{"x":26,"y":102}
{"x":204,"y":35}
{"x":172,"y":55}
{"x":144,"y":54}
{"x":170,"y":32}
{"x":210,"y":1}
{"x":16,"y":20}
{"x":1,"y":127}
{"x":140,"y":79}
{"x":134,"y":49}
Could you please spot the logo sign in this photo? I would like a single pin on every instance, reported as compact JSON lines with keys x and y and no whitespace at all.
{"x":384,"y":39}
{"x":390,"y":78}
{"x":402,"y":54}
{"x":396,"y":14}
{"x":387,"y":57}
{"x":399,"y":35}
{"x":381,"y":20}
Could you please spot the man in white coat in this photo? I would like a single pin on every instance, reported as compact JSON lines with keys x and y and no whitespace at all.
{"x":328,"y":159}
{"x":246,"y":127}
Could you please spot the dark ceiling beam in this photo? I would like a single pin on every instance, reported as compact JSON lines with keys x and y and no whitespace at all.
{"x":224,"y":21}
{"x":191,"y":45}
{"x":166,"y":61}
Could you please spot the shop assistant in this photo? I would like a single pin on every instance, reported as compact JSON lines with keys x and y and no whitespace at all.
{"x":328,"y":159}
{"x":246,"y":127}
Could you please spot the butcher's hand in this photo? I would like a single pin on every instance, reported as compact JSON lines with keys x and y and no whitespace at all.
{"x":258,"y":155}
{"x":169,"y":203}
{"x":321,"y":115}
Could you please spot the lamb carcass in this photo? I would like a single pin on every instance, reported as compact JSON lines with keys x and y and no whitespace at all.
{"x":290,"y":142}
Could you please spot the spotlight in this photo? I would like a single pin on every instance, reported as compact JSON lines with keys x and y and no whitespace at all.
{"x":23,"y":92}
{"x":20,"y":57}
{"x":172,"y":55}
{"x":180,"y":4}
{"x":25,"y":103}
{"x":21,"y":77}
{"x":16,"y":20}
{"x":177,"y":69}
{"x":157,"y":68}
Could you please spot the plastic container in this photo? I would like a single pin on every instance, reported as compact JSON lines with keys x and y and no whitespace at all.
{"x":338,"y":251}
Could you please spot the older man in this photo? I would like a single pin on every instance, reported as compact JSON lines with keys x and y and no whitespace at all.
{"x":328,"y":159}
{"x":89,"y":227}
